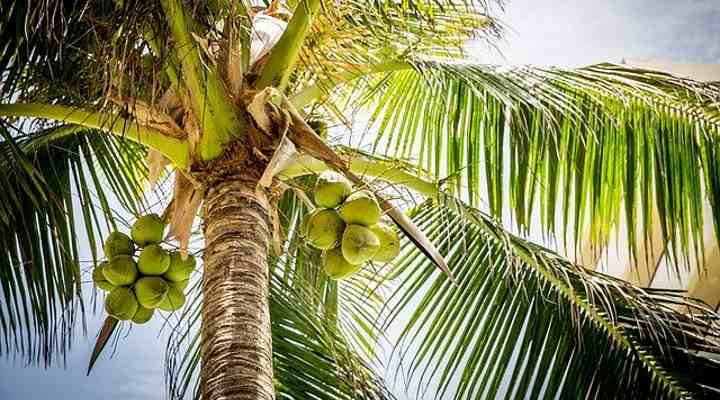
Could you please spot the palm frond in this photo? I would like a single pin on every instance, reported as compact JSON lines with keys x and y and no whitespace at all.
{"x":22,"y":48}
{"x":525,"y":323}
{"x":74,"y":51}
{"x":580,"y":150}
{"x":56,"y":196}
{"x":352,"y":33}
{"x":311,"y":359}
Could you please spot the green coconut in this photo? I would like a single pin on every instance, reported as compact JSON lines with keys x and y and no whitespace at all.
{"x":121,"y":271}
{"x":143,"y":315}
{"x":118,"y":243}
{"x":121,"y":303}
{"x":324,"y":229}
{"x":174,"y":300}
{"x":153,"y":260}
{"x":331,"y":189}
{"x":360,"y":208}
{"x":151,"y":291}
{"x":179,"y":269}
{"x":389,"y":242}
{"x":359,"y":244}
{"x":99,"y":278}
{"x":148,"y":229}
{"x":181,"y":284}
{"x":306,"y":221}
{"x":336,"y":266}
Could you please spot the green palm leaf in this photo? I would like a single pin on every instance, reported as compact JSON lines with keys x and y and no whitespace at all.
{"x":310,"y":357}
{"x":525,"y":323}
{"x":576,"y":150}
{"x":61,"y":197}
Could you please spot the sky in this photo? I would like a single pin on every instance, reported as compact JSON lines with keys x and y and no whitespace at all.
{"x":573,"y":33}
{"x":545,"y":32}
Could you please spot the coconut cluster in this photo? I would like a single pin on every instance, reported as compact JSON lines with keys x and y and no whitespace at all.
{"x":155,"y":279}
{"x":347,"y":226}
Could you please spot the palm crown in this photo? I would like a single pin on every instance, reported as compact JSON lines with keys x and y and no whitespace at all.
{"x":98,"y":97}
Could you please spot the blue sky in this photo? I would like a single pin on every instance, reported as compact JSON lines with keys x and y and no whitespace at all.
{"x":559,"y":32}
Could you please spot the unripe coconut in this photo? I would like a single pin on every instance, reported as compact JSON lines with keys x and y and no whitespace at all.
{"x":153,"y":260}
{"x":151,"y":291}
{"x":359,"y":244}
{"x":360,"y":208}
{"x":306,"y":221}
{"x":121,"y":270}
{"x":389,"y":242}
{"x":121,"y":303}
{"x":118,"y":243}
{"x":331,"y":189}
{"x":143,"y":315}
{"x":182,"y":285}
{"x":148,"y":229}
{"x":174,"y":300}
{"x":179,"y":269}
{"x":336,"y":266}
{"x":99,"y":278}
{"x":324,"y":229}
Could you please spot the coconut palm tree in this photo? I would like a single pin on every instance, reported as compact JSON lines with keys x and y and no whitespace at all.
{"x":231,"y":101}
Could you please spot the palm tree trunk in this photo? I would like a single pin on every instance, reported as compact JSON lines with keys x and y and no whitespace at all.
{"x":236,"y":342}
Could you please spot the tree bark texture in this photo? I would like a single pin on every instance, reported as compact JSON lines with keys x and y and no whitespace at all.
{"x":236,"y":339}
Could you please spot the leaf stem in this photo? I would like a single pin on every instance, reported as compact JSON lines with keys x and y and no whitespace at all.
{"x":286,"y":52}
{"x":210,"y":102}
{"x":386,"y":171}
{"x":176,"y":150}
{"x":312,"y":92}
